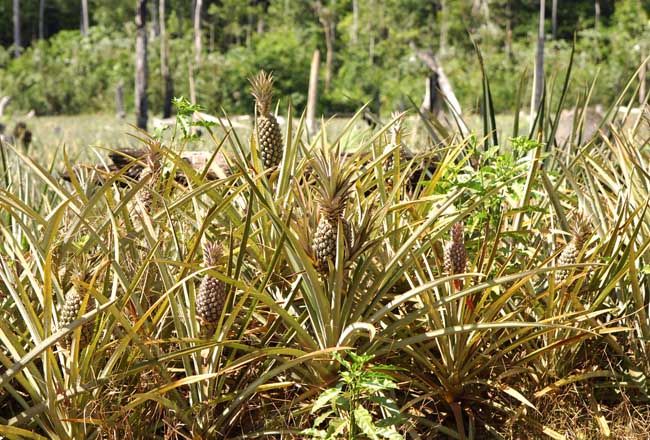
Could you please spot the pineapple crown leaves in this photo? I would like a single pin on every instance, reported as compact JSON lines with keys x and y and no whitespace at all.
{"x":334,"y":181}
{"x":457,"y":233}
{"x":153,"y":156}
{"x":212,"y":252}
{"x":262,"y":91}
{"x":396,"y":128}
{"x":580,"y":229}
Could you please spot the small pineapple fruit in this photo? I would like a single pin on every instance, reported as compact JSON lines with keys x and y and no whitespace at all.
{"x":71,"y":310}
{"x":399,"y":150}
{"x":456,"y":258}
{"x":212,"y":292}
{"x":579,"y":234}
{"x":333,"y":187}
{"x":268,"y":129}
{"x":150,"y":171}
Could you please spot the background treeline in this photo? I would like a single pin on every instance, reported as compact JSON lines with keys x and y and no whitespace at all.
{"x":370,"y":44}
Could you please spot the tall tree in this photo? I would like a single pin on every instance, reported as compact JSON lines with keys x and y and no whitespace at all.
{"x":554,"y":19}
{"x":16,"y":17}
{"x":168,"y":85}
{"x":84,"y":18}
{"x":197,"y":32}
{"x":41,"y":19}
{"x":141,"y":64}
{"x":539,"y":64}
{"x":326,"y":18}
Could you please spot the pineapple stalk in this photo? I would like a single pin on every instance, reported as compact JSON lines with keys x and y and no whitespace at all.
{"x":268,"y":129}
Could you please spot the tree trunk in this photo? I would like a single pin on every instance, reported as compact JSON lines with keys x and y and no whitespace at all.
{"x":355,"y":21}
{"x":445,"y":90}
{"x":596,"y":14}
{"x":197,"y":32}
{"x":41,"y":19}
{"x":539,"y":64}
{"x":312,"y":96}
{"x":444,"y":27}
{"x":326,"y":19}
{"x":179,"y":18}
{"x":554,"y":19}
{"x":119,"y":100}
{"x":168,"y":85}
{"x":16,"y":17}
{"x":155,"y":21}
{"x":508,"y":29}
{"x":84,"y":17}
{"x":642,"y":75}
{"x":141,"y":64}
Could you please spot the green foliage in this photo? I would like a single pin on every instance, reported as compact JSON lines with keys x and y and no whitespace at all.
{"x":360,"y":403}
{"x":372,"y":59}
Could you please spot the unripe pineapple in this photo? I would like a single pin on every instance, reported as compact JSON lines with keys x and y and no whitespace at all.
{"x":151,"y":171}
{"x":579,"y":234}
{"x":268,"y":129}
{"x":397,"y":148}
{"x":212,"y":292}
{"x":70,"y":311}
{"x":455,"y":253}
{"x":333,"y":187}
{"x":456,"y":259}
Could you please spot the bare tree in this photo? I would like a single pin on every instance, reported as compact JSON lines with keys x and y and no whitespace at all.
{"x":444,"y":27}
{"x":197,"y":32}
{"x":41,"y":19}
{"x":141,"y":64}
{"x":539,"y":64}
{"x":312,"y":96}
{"x":554,"y":19}
{"x":16,"y":17}
{"x":326,"y":18}
{"x":84,"y":17}
{"x":168,"y":85}
{"x":155,"y":22}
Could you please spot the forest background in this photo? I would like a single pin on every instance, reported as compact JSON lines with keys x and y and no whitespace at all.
{"x":70,"y":56}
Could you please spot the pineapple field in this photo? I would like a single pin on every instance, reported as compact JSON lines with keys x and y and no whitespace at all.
{"x":412,"y":280}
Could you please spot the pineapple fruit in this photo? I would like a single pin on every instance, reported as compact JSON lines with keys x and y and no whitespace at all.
{"x":333,"y":187}
{"x":71,"y":310}
{"x":212,"y":296}
{"x":579,"y":234}
{"x":150,"y":171}
{"x":456,"y":258}
{"x":398,"y":149}
{"x":268,"y":129}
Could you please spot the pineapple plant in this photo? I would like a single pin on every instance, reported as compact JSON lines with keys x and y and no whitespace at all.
{"x":399,"y":150}
{"x":580,"y":231}
{"x":333,"y":186}
{"x":71,"y":310}
{"x":456,"y":258}
{"x":151,"y":171}
{"x":268,"y":129}
{"x":212,"y":296}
